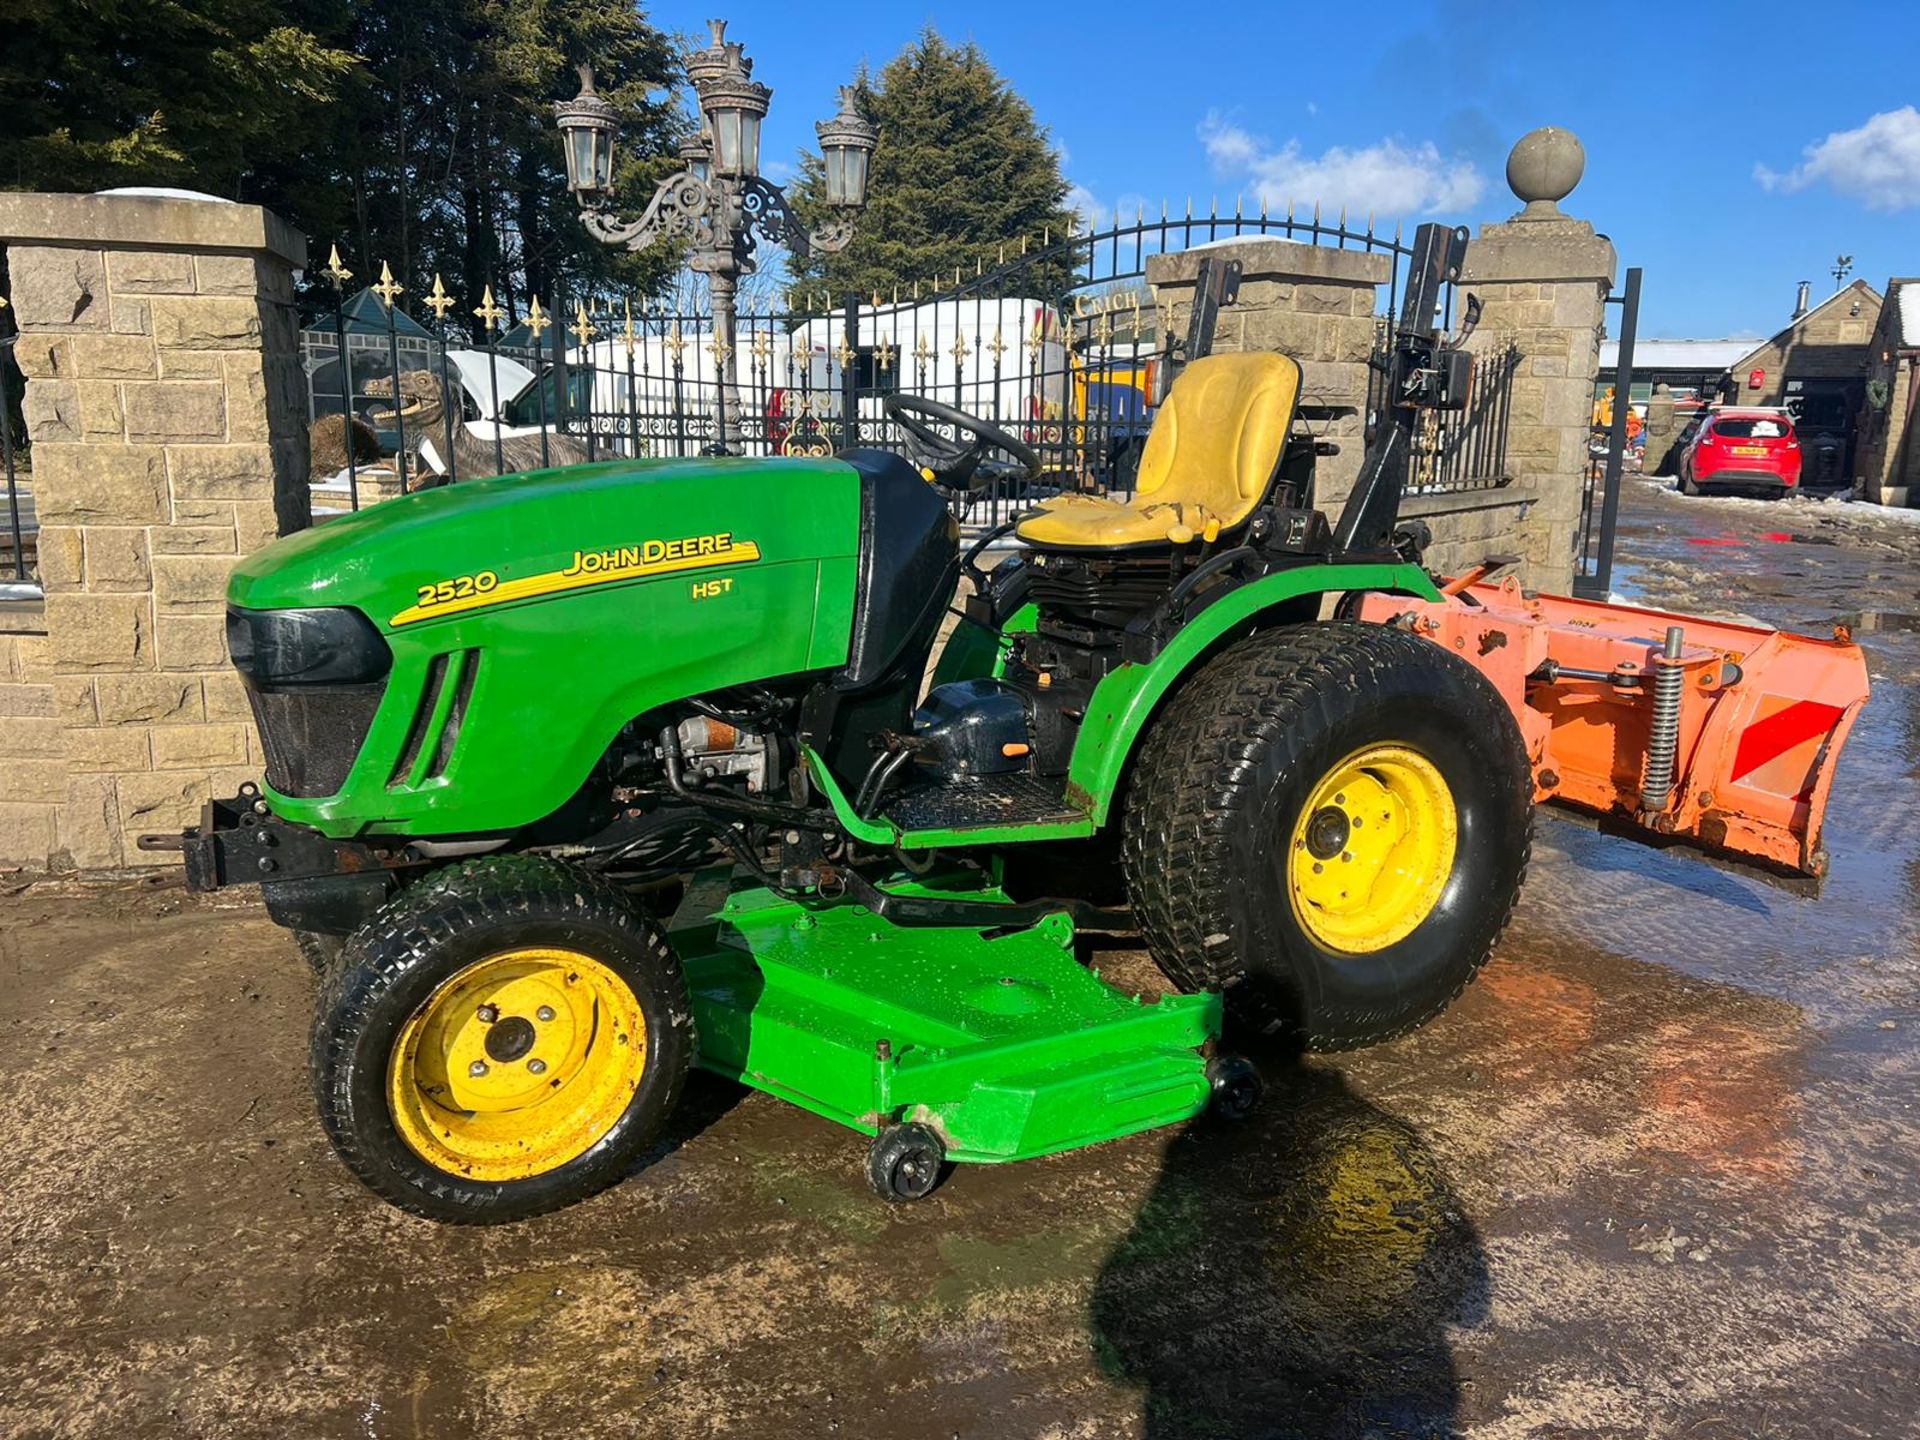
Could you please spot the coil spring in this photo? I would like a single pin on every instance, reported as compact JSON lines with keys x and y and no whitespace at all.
{"x":1664,"y":741}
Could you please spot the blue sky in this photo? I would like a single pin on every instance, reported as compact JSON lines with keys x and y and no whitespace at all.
{"x":1729,"y":162}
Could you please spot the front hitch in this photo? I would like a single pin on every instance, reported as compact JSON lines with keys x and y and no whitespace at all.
{"x":309,"y":881}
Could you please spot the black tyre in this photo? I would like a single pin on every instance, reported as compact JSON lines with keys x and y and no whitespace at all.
{"x":1236,"y":1086}
{"x":501,"y":1040}
{"x":1248,"y":856}
{"x":905,"y":1162}
{"x":319,"y":951}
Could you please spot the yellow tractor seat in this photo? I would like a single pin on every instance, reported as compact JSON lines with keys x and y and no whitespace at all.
{"x":1209,"y":459}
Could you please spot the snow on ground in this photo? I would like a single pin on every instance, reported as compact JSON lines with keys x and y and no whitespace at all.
{"x":1838,"y":506}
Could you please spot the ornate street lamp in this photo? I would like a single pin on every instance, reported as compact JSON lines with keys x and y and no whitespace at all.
{"x":718,"y":202}
{"x":588,"y":125}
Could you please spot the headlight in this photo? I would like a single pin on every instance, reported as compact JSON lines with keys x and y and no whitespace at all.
{"x":334,"y":646}
{"x":315,"y":679}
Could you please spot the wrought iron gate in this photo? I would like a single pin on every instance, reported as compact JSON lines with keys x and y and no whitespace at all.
{"x":1056,"y":338}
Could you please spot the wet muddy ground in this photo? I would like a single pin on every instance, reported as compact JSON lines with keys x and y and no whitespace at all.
{"x":1656,"y":1174}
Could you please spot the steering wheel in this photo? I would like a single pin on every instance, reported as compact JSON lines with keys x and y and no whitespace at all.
{"x":951,"y":459}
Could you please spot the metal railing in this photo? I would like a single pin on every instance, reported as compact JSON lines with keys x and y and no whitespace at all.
{"x":1467,"y":449}
{"x":1059,"y":342}
{"x":21,"y":529}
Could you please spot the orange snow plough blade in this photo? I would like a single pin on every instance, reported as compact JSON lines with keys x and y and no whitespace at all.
{"x":1670,"y":728}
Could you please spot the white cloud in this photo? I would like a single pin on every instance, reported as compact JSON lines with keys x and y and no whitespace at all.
{"x":1389,"y":178}
{"x":1877,"y":164}
{"x":1087,"y":207}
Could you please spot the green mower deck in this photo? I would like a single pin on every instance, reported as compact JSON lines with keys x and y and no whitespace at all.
{"x":1002,"y":1045}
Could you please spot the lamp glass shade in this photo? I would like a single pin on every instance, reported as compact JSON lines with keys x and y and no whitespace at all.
{"x":736,"y":140}
{"x":589,"y":154}
{"x":846,"y":174}
{"x":603,"y":159}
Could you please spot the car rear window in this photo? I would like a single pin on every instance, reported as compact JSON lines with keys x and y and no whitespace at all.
{"x":1762,"y":428}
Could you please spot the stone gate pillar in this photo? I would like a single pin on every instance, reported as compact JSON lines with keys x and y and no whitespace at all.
{"x":1313,"y":302}
{"x":163,"y":406}
{"x":1543,"y":277}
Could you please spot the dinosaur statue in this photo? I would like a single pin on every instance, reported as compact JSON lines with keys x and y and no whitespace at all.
{"x":327,"y":443}
{"x":423,"y":406}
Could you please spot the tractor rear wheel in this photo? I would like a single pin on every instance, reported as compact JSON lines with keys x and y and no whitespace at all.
{"x":504,"y":1038}
{"x":1331,"y":824}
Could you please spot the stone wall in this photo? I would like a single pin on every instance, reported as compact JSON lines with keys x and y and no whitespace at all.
{"x":164,"y":407}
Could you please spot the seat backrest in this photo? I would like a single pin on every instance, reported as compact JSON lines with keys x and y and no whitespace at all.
{"x":1218,"y":434}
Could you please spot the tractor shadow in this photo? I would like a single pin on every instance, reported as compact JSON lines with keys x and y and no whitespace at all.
{"x":1294,"y":1275}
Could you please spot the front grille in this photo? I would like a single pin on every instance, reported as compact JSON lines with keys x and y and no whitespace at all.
{"x":312,"y":734}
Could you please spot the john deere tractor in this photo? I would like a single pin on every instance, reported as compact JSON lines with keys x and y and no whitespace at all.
{"x":576,"y":779}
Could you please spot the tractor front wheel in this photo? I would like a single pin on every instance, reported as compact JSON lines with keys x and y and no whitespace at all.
{"x":1330,"y":823}
{"x":501,"y":1040}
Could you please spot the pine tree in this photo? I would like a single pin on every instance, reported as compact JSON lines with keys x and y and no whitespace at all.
{"x":123,"y":92}
{"x":415,"y":132}
{"x":963,"y":169}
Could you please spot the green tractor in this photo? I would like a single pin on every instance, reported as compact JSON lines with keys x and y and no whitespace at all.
{"x":579,"y":778}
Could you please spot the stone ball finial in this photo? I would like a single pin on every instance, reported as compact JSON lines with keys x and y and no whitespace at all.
{"x":1543,"y":168}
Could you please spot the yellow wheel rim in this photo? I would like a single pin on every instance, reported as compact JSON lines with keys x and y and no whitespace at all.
{"x":1372,"y":849}
{"x":517,"y":1064}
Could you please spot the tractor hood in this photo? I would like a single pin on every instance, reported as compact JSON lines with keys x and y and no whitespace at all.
{"x":559,"y":604}
{"x":484,"y":544}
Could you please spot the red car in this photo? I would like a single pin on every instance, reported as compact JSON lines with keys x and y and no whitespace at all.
{"x":1741,"y":450}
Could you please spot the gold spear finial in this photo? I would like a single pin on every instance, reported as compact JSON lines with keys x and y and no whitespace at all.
{"x":883,"y":352}
{"x":538,"y":321}
{"x":389,"y":289}
{"x":488,"y":312}
{"x":627,"y":337}
{"x":335,"y":271}
{"x":583,"y":327}
{"x":676,"y":343}
{"x":960,"y":351}
{"x":439,"y":301}
{"x":997,"y":347}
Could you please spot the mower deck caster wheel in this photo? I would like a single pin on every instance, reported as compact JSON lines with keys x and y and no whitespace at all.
{"x":1237,"y":1086}
{"x":905,"y":1162}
